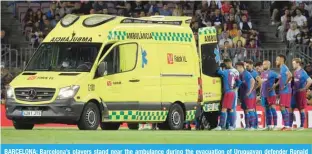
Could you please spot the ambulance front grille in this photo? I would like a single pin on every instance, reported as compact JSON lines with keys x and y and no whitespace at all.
{"x":34,"y":94}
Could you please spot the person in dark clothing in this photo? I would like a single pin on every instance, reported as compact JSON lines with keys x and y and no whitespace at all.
{"x":86,"y":6}
{"x":128,"y":11}
{"x":77,"y":9}
{"x":304,"y":11}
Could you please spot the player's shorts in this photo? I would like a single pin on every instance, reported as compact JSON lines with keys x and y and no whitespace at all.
{"x":255,"y":102}
{"x":301,"y":100}
{"x":268,"y":101}
{"x":228,"y":100}
{"x":293,"y":103}
{"x":249,"y":103}
{"x":285,"y":100}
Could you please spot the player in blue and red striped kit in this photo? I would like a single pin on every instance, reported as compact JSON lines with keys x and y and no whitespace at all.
{"x":257,"y":78}
{"x":302,"y":82}
{"x":231,"y":82}
{"x":284,"y":89}
{"x":247,"y":95}
{"x":268,"y":95}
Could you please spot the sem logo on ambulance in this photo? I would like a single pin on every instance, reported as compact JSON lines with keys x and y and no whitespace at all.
{"x":175,"y":58}
{"x":39,"y":78}
{"x":211,"y":38}
{"x":139,"y":36}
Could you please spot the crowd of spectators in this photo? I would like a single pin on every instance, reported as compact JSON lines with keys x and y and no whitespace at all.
{"x":231,"y":19}
{"x":294,"y":20}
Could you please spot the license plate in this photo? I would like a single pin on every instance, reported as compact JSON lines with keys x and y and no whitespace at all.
{"x":211,"y":107}
{"x":31,"y":113}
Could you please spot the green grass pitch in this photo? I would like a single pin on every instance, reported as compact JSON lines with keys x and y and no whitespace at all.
{"x":73,"y":135}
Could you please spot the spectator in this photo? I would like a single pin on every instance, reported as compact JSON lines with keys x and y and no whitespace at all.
{"x":63,"y":10}
{"x":39,"y":15}
{"x":285,"y":20}
{"x":99,"y":6}
{"x":177,"y":10}
{"x":229,"y":24}
{"x":240,"y":52}
{"x":4,"y":38}
{"x":227,"y":51}
{"x":217,"y":19}
{"x":77,"y":9}
{"x":58,"y":18}
{"x":292,"y":33}
{"x":245,"y":26}
{"x":300,"y":19}
{"x":303,"y":10}
{"x":152,"y":7}
{"x":6,"y":78}
{"x":308,"y":6}
{"x":275,"y":9}
{"x":128,"y":11}
{"x":225,"y":39}
{"x":226,"y":7}
{"x":305,"y":36}
{"x":47,"y":27}
{"x":86,"y":6}
{"x":35,"y":34}
{"x":254,"y":53}
{"x":28,"y":19}
{"x":239,"y":38}
{"x":214,"y":4}
{"x":138,"y":7}
{"x":165,"y":11}
{"x":234,"y":32}
{"x":51,"y":13}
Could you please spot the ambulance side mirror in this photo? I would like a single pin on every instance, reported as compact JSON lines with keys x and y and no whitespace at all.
{"x":102,"y":69}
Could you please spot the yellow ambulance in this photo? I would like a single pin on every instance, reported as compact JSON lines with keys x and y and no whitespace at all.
{"x":102,"y":70}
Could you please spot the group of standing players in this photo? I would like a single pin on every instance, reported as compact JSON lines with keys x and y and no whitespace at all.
{"x":243,"y":83}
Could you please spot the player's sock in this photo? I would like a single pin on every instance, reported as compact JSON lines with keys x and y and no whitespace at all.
{"x":252,"y":119}
{"x":223,"y":118}
{"x":256,"y":119}
{"x":285,"y":116}
{"x":232,"y":119}
{"x":291,"y":119}
{"x":247,"y":117}
{"x":268,"y":116}
{"x":274,"y":116}
{"x":302,"y":119}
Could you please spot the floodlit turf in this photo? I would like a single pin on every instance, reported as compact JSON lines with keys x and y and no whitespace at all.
{"x":57,"y":135}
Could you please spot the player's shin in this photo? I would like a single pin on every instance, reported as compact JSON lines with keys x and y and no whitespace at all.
{"x":274,"y":116}
{"x":302,"y":118}
{"x":223,"y":118}
{"x":285,"y":117}
{"x":256,"y":118}
{"x":232,"y":118}
{"x":247,"y":122}
{"x":268,"y":116}
{"x":252,"y":119}
{"x":291,"y":118}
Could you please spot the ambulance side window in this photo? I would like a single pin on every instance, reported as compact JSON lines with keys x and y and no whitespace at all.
{"x":209,"y":64}
{"x":122,"y":58}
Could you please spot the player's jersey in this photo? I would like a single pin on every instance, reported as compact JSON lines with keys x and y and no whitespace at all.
{"x":285,"y":88}
{"x":268,"y":77}
{"x":236,"y":92}
{"x":246,"y":78}
{"x":254,"y":74}
{"x":300,"y":79}
{"x":230,"y":79}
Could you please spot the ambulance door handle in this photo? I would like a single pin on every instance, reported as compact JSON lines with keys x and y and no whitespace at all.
{"x":134,"y":80}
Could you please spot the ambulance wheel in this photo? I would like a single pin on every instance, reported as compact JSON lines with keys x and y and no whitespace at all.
{"x":20,"y":125}
{"x":133,"y":126}
{"x":90,"y":117}
{"x":175,"y":118}
{"x":109,"y":126}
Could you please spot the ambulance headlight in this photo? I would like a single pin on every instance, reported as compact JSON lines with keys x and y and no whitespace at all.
{"x":68,"y":92}
{"x":69,"y":20}
{"x":97,"y":20}
{"x":10,"y":92}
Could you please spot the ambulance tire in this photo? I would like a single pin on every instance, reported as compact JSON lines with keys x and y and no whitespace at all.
{"x":109,"y":126}
{"x":20,"y":125}
{"x":175,"y":118}
{"x":90,"y":117}
{"x":212,"y":119}
{"x":133,"y":126}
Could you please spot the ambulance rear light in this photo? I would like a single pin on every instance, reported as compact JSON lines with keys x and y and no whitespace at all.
{"x":69,"y":20}
{"x":97,"y":20}
{"x":200,"y":90}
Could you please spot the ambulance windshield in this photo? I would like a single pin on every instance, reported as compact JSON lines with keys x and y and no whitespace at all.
{"x":64,"y":57}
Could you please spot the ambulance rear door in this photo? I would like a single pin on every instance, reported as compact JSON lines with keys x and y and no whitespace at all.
{"x":209,"y":62}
